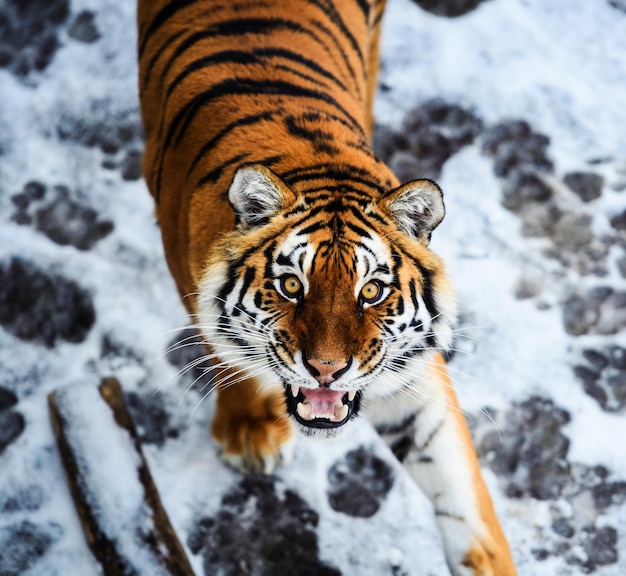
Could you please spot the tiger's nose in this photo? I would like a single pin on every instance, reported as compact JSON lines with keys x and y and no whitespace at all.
{"x":327,"y":371}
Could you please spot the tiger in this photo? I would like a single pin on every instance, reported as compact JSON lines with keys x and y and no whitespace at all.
{"x":304,"y":263}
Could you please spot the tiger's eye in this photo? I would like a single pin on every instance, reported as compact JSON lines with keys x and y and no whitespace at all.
{"x":371,"y":292}
{"x":290,"y":285}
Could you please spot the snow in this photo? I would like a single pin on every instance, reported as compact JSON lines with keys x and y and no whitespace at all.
{"x":560,"y":65}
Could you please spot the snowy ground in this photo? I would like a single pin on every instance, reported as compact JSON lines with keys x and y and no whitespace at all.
{"x":517,"y":108}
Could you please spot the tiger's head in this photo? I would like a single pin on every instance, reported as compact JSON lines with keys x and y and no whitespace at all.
{"x":335,"y":297}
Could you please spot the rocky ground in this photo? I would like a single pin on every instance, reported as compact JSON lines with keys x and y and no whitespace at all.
{"x":84,"y":293}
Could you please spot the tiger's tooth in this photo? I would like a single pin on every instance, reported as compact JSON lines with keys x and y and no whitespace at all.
{"x":341,"y":412}
{"x":351,"y":395}
{"x":295,"y":390}
{"x":304,"y":410}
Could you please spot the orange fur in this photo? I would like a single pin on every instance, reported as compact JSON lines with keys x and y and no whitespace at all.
{"x":251,"y":423}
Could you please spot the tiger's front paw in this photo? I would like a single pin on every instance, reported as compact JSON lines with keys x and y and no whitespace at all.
{"x":487,"y":555}
{"x":254,"y":432}
{"x":487,"y":559}
{"x":475,"y":548}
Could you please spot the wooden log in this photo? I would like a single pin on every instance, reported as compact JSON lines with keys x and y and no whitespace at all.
{"x":119,"y":506}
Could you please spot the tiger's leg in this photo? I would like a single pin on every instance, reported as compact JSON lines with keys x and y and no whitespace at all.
{"x":434,"y":443}
{"x":251,"y":425}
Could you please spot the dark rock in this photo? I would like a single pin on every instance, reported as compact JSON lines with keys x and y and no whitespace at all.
{"x":531,"y":451}
{"x":597,"y":392}
{"x":262,"y":530}
{"x":618,"y":221}
{"x":540,"y":554}
{"x":185,"y":352}
{"x":563,"y":528}
{"x":131,"y":165}
{"x":405,"y":166}
{"x":103,"y":127}
{"x":27,"y":499}
{"x":69,"y":223}
{"x":526,"y":288}
{"x":599,"y":294}
{"x":7,"y":399}
{"x":515,"y":146}
{"x":608,"y":494}
{"x":436,"y":130}
{"x":111,"y":349}
{"x":586,"y":185}
{"x":597,"y":359}
{"x":573,"y":232}
{"x":524,"y":186}
{"x":617,"y":357}
{"x":61,"y":219}
{"x":34,"y":190}
{"x":150,"y":417}
{"x":604,"y":379}
{"x":83,"y":28}
{"x":22,"y":545}
{"x":586,"y":374}
{"x":612,"y":314}
{"x":359,"y":484}
{"x":600,"y":545}
{"x":448,"y":8}
{"x":36,"y":305}
{"x":538,"y":218}
{"x":616,"y":381}
{"x":618,"y":299}
{"x":579,"y":315}
{"x":29,"y":34}
{"x":431,"y":133}
{"x":21,"y":201}
{"x":618,"y":5}
{"x":12,"y":425}
{"x":386,"y":142}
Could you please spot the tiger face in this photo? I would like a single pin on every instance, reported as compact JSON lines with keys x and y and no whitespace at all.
{"x":335,"y":297}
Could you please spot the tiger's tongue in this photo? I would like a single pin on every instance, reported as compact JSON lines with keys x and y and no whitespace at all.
{"x":322,"y":401}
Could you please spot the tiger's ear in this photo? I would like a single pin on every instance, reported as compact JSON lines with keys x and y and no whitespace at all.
{"x":256,"y":194}
{"x":417,"y":207}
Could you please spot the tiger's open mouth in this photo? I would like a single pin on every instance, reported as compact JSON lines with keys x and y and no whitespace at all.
{"x":321,"y":407}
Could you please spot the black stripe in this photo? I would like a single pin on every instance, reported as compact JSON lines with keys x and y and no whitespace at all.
{"x":320,"y":140}
{"x":254,"y":57}
{"x":332,"y":171}
{"x":245,"y":87}
{"x":217,"y":58}
{"x":215,"y":174}
{"x":401,"y":447}
{"x":240,"y":27}
{"x":336,"y":19}
{"x":341,"y":51}
{"x":361,"y":218}
{"x":311,"y":228}
{"x":163,"y":16}
{"x":296,"y":57}
{"x":397,"y":427}
{"x":155,"y":57}
{"x":357,"y":230}
{"x":427,"y":292}
{"x":239,"y":123}
{"x":365,"y":8}
{"x":430,"y":437}
{"x":248,"y":277}
{"x":413,"y":292}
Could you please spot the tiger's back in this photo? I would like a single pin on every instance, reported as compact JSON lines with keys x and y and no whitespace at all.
{"x":287,"y":84}
{"x":305,"y":264}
